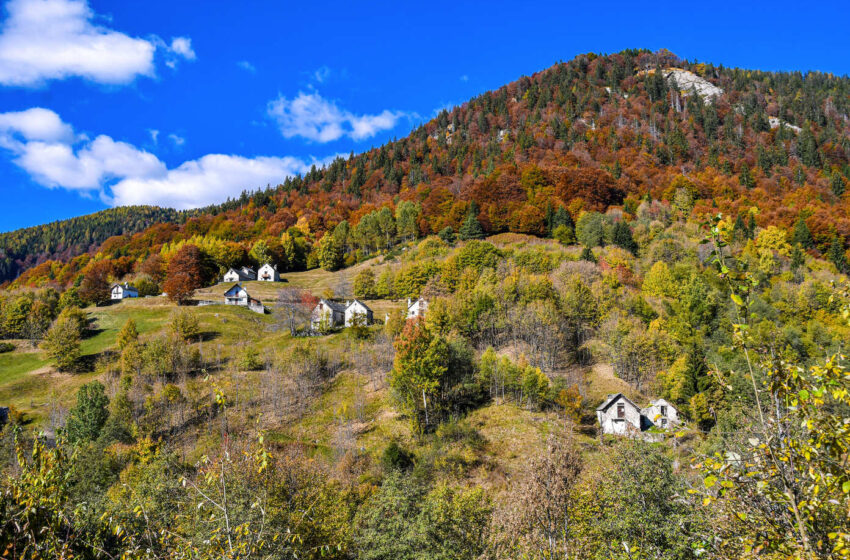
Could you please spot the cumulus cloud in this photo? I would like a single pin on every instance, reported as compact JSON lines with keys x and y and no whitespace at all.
{"x":54,"y":156}
{"x":42,"y":40}
{"x":311,"y":116}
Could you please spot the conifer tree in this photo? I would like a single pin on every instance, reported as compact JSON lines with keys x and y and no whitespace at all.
{"x":836,"y":254}
{"x":802,"y":235}
{"x":837,"y":184}
{"x":622,"y":237}
{"x":745,"y":177}
{"x":471,"y":228}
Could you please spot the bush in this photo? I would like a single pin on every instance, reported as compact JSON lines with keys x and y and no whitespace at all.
{"x":185,"y":324}
{"x":6,"y":347}
{"x":395,"y":457}
{"x":250,"y":360}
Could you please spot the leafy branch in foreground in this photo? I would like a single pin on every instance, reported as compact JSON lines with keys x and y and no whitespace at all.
{"x":783,"y":484}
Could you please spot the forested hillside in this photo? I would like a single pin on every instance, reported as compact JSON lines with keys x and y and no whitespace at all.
{"x":24,"y":248}
{"x":597,"y":131}
{"x":630,"y":229}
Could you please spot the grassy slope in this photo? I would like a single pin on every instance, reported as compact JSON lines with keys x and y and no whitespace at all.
{"x":348,"y":403}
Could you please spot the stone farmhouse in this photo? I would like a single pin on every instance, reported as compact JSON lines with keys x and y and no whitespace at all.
{"x":123,"y":291}
{"x":329,"y":314}
{"x":357,"y":309}
{"x":618,"y":415}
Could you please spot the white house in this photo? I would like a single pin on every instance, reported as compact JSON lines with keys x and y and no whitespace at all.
{"x":123,"y":291}
{"x":237,"y":295}
{"x":327,"y":314}
{"x":416,"y":308}
{"x":357,"y":309}
{"x":619,"y":415}
{"x":661,"y":414}
{"x":268,"y":273}
{"x":243,"y":274}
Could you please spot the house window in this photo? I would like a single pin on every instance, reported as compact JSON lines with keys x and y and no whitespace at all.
{"x":621,"y":410}
{"x":663,"y":411}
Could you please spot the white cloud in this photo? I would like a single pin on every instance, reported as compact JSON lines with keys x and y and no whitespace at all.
{"x":311,"y":116}
{"x":54,"y":39}
{"x":182,"y":46}
{"x":178,"y":140}
{"x":322,"y":74}
{"x":245,"y":65}
{"x":464,"y":78}
{"x":154,"y":135}
{"x":42,"y":40}
{"x":122,"y":174}
{"x":34,"y":124}
{"x":208,"y":180}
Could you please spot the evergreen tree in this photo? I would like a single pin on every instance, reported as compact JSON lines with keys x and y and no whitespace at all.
{"x":471,"y":228}
{"x":837,"y":184}
{"x":836,"y":254}
{"x":802,"y":235}
{"x":587,"y":255}
{"x":128,"y":334}
{"x":745,"y":177}
{"x":739,"y":231}
{"x":89,"y":415}
{"x":751,"y":227}
{"x":622,"y":237}
{"x":798,"y":258}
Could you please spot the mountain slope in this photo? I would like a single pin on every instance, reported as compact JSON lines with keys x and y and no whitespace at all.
{"x":595,"y":132}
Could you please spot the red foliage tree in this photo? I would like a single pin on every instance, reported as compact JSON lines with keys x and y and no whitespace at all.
{"x":185,"y":274}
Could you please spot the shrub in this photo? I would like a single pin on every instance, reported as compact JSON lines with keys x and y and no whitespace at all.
{"x":395,"y":457}
{"x":6,"y":347}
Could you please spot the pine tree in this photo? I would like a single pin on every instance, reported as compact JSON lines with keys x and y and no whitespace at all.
{"x":798,"y":258}
{"x":836,"y":254}
{"x":587,"y":255}
{"x":622,"y":237}
{"x":802,"y":235}
{"x":745,"y":177}
{"x":751,"y":228}
{"x":471,"y":228}
{"x":740,"y":229}
{"x":837,"y":184}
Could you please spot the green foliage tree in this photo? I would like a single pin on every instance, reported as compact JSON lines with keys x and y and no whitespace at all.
{"x":88,"y":416}
{"x":836,"y":254}
{"x":471,"y":227}
{"x":364,"y":284}
{"x":184,"y":324}
{"x":330,"y":254}
{"x":590,"y":229}
{"x":128,"y":334}
{"x":622,"y":237}
{"x":62,"y":343}
{"x":802,"y":235}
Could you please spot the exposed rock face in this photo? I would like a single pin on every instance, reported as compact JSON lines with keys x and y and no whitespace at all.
{"x":688,"y":81}
{"x":776,"y":121}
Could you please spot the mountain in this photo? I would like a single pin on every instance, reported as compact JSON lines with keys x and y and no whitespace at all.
{"x":588,"y":134}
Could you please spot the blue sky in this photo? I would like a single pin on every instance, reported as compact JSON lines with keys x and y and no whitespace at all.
{"x":184,"y":103}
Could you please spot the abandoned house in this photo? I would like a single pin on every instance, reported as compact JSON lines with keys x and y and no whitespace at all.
{"x":268,"y":273}
{"x":357,"y":309}
{"x":416,"y":308}
{"x":620,"y":416}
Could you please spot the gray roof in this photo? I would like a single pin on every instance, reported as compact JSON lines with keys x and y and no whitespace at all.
{"x":611,"y":399}
{"x":334,"y":305}
{"x":361,"y":303}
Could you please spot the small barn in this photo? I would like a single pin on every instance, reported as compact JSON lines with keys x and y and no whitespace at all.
{"x":123,"y":291}
{"x":661,"y":414}
{"x":357,"y":309}
{"x":416,"y":308}
{"x":268,"y":273}
{"x":244,"y":274}
{"x":620,"y":416}
{"x":237,"y":295}
{"x":327,"y":314}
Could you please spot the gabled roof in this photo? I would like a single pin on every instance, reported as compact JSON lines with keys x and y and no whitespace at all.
{"x":416,"y":301}
{"x":334,"y":305}
{"x":614,"y":398}
{"x":361,"y":303}
{"x":123,"y":286}
{"x":237,"y":286}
